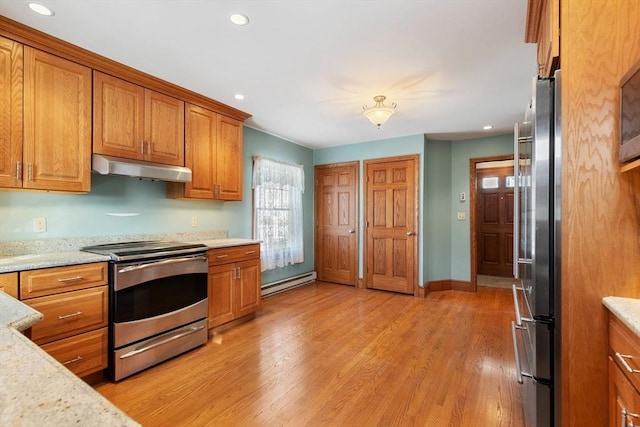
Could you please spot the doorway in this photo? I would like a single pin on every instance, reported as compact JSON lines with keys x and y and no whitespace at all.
{"x":391,"y":224}
{"x":491,"y":220}
{"x":336,"y":212}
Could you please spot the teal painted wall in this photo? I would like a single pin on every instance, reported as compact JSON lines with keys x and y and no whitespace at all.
{"x":437,"y":206}
{"x":461,"y":153}
{"x":373,"y":150}
{"x":81,"y":215}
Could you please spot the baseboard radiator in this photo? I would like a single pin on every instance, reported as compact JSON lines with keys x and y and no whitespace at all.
{"x":288,"y":283}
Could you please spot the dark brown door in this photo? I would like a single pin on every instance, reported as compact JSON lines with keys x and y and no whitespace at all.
{"x":494,"y":224}
{"x":391,"y":249}
{"x":337,"y":222}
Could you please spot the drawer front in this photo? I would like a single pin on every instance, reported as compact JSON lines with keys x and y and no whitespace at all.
{"x":220,"y":256}
{"x":48,"y":281}
{"x":83,"y":354}
{"x":624,"y":347}
{"x":9,"y":284}
{"x":69,"y":314}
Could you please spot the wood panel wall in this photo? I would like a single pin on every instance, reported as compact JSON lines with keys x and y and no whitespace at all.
{"x":600,"y":40}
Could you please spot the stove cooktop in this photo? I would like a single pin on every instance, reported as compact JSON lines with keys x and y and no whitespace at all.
{"x":125,"y":251}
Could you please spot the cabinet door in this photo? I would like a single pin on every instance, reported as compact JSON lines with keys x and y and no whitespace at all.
{"x":10,"y":113}
{"x":118,"y":114}
{"x":624,"y":401}
{"x":221,"y":279}
{"x":229,"y":159}
{"x":200,"y":152}
{"x":163,"y":129}
{"x":9,"y":284}
{"x":57,"y":123}
{"x":247,"y":288}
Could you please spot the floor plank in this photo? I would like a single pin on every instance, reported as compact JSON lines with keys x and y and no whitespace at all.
{"x":327,"y":354}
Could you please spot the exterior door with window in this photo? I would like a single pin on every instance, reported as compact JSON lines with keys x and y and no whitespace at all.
{"x":336,"y":192}
{"x":494,"y":224}
{"x":391,"y":243}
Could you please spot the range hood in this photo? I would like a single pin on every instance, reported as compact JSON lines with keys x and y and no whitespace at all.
{"x":108,"y":165}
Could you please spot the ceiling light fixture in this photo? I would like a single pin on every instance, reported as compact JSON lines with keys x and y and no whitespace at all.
{"x":239,"y":19}
{"x":487,"y":127}
{"x":42,"y":10}
{"x":379,"y":113}
{"x":239,"y":96}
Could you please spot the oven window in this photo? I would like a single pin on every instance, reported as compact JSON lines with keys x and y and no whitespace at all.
{"x":159,"y":296}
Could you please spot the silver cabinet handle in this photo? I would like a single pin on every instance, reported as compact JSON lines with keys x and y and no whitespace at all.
{"x":142,"y":147}
{"x":68,"y":316}
{"x":30,"y":171}
{"x":351,"y":231}
{"x":623,"y":359}
{"x":70,"y":279}
{"x":163,"y":341}
{"x":74,"y":360}
{"x":221,"y":256}
{"x":250,"y":252}
{"x":18,"y":170}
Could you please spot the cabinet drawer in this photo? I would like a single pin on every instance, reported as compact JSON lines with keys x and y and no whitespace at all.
{"x":624,"y":345}
{"x":83,"y":354}
{"x":69,"y":313}
{"x":220,"y":256}
{"x":47,"y":281}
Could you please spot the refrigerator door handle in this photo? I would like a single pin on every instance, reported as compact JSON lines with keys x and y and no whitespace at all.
{"x":519,"y":318}
{"x":520,"y":374}
{"x":516,"y":199}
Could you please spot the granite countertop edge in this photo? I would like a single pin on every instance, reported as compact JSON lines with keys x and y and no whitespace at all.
{"x":625,"y":309}
{"x":39,"y":390}
{"x":58,"y":259}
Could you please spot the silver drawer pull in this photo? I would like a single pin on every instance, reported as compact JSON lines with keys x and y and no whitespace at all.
{"x":221,"y":256}
{"x":67,"y":316}
{"x":623,"y":359}
{"x":70,"y":279}
{"x":250,"y":252}
{"x":74,"y":360}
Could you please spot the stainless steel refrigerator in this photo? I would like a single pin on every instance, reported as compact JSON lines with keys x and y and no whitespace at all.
{"x":536,"y":329}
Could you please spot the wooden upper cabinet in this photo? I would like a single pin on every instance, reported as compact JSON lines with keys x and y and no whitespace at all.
{"x":136,"y":123}
{"x":57,"y":123}
{"x":229,"y":158}
{"x":213,"y":152}
{"x":11,"y":102}
{"x":543,"y":28}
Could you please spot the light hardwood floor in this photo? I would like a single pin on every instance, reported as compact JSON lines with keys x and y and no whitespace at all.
{"x":333,"y":355}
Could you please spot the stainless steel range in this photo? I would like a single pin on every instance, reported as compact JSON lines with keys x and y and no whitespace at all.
{"x":157,"y":302}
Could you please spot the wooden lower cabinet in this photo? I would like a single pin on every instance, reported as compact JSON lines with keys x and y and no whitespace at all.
{"x":234,"y":284}
{"x":9,"y":284}
{"x":74,"y":302}
{"x":624,"y":376}
{"x":83,"y":354}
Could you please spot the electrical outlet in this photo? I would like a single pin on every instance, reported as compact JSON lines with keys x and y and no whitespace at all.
{"x":194,"y":221}
{"x":39,"y":225}
{"x":462,"y":216}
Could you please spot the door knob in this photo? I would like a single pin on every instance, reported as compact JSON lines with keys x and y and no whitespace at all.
{"x":351,"y":231}
{"x":409,"y":233}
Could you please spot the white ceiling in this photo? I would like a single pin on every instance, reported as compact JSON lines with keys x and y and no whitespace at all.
{"x":307,"y":67}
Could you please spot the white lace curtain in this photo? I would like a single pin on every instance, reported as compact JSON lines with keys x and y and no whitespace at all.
{"x":277,"y":194}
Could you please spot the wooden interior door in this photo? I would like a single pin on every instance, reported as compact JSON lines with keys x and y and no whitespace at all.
{"x":391,"y":245}
{"x":336,"y":251}
{"x":494,"y":225}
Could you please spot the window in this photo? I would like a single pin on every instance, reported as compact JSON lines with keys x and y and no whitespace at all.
{"x":277,"y":201}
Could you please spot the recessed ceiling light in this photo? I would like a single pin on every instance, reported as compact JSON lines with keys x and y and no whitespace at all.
{"x":239,"y":19}
{"x":42,"y":10}
{"x":487,"y":127}
{"x":239,"y":96}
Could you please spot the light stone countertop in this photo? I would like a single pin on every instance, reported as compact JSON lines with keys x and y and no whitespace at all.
{"x":45,"y":260}
{"x":225,"y":243}
{"x":625,"y":309}
{"x":35,"y":389}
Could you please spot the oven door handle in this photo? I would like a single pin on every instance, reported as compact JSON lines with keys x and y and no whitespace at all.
{"x":163,"y":262}
{"x":163,"y":341}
